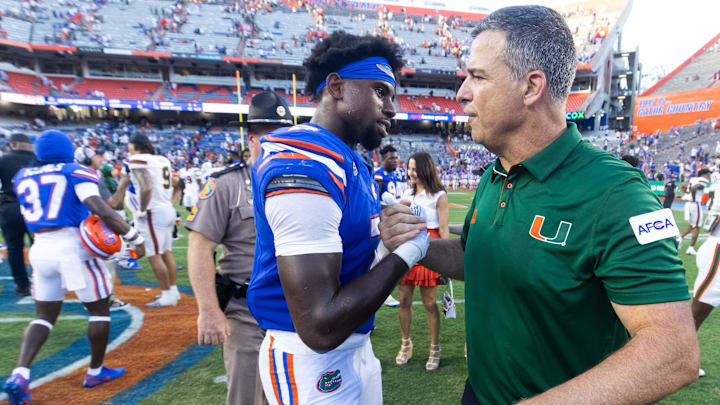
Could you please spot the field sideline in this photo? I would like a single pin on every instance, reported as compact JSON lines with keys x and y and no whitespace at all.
{"x":409,"y":384}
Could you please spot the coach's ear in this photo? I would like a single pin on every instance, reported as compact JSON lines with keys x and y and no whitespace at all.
{"x":335,"y":85}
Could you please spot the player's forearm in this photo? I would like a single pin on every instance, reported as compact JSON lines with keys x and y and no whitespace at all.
{"x":176,"y":196}
{"x":116,"y":200}
{"x":145,"y":196}
{"x":446,"y":257}
{"x":201,"y":270}
{"x":325,"y":321}
{"x":654,"y":364}
{"x":107,"y":215}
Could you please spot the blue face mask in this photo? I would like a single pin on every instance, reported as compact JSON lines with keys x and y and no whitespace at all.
{"x":371,"y":68}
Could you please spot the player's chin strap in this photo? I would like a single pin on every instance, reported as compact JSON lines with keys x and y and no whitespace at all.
{"x":98,"y":319}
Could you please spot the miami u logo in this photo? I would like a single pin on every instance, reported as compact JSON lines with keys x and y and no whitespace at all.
{"x":561,"y":234}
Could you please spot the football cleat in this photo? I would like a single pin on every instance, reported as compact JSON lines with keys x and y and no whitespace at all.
{"x":99,"y":240}
{"x":163,"y":301}
{"x":105,"y":375}
{"x":18,"y":390}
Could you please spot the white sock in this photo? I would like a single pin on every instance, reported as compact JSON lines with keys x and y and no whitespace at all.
{"x":23,"y":371}
{"x":94,"y":371}
{"x":174,"y":289}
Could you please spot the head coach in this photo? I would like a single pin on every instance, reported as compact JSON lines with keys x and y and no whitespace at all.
{"x":11,"y":221}
{"x":574,"y":290}
{"x":224,"y":216}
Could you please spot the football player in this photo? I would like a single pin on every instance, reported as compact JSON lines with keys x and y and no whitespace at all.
{"x":387,"y":176}
{"x":153,"y":181}
{"x":317,"y":215}
{"x":191,"y":177}
{"x":56,"y":196}
{"x":693,"y":212}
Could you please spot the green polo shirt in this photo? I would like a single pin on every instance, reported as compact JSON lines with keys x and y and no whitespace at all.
{"x":548,"y":246}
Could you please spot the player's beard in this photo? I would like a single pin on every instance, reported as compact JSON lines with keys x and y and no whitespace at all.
{"x":370,"y":138}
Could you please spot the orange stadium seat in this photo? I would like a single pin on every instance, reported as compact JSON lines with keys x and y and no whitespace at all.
{"x":575,"y":100}
{"x":31,"y":84}
{"x":411,"y":106}
{"x":122,"y":89}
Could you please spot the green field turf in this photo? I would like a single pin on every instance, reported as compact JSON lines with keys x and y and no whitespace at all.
{"x":409,"y":384}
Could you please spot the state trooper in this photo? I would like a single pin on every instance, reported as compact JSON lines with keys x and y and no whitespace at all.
{"x":224,"y":216}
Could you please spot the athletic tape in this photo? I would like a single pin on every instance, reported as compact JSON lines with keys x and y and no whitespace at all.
{"x":42,"y":322}
{"x":99,"y":319}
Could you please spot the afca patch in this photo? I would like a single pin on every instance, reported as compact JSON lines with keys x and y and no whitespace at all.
{"x":654,"y":226}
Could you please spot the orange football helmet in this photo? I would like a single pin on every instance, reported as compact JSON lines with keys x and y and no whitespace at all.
{"x":98,"y":239}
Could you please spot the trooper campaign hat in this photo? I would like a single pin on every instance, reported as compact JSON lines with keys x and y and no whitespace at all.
{"x":268,"y":108}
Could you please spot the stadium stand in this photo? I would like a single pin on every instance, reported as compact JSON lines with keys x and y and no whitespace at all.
{"x":700,"y":71}
{"x":38,"y":86}
{"x":121,"y":89}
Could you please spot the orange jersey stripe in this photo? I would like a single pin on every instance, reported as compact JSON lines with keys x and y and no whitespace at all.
{"x":711,"y":274}
{"x":282,"y":155}
{"x":337,"y":181}
{"x":306,"y":145}
{"x":291,"y":373}
{"x":295,"y":190}
{"x":272,"y":375}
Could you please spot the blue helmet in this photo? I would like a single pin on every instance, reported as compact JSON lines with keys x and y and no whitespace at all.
{"x":54,"y":146}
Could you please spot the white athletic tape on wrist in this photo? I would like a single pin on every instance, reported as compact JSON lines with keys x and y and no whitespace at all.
{"x":42,"y":322}
{"x":415,"y":249}
{"x":410,"y":253}
{"x":99,"y":319}
{"x":130,"y":234}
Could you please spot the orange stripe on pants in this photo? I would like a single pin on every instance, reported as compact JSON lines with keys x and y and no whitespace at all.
{"x":272,"y":375}
{"x":291,"y":373}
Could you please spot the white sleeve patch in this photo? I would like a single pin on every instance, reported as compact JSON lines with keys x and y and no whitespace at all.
{"x":654,"y":226}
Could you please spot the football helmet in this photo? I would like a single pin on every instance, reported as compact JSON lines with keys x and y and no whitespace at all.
{"x":99,"y":240}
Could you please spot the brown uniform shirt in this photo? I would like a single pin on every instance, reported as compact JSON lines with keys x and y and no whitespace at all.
{"x":224,"y":215}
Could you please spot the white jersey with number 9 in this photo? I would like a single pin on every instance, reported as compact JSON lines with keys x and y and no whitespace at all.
{"x":160,"y":174}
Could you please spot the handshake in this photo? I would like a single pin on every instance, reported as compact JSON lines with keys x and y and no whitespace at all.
{"x":403,"y":229}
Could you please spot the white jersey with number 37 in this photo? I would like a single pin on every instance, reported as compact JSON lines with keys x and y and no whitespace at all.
{"x":160,"y":174}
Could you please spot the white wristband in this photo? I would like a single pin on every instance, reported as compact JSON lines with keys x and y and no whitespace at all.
{"x":130,"y":234}
{"x":410,"y":253}
{"x":137,"y":241}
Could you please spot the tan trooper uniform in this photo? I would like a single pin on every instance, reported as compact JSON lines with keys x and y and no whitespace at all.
{"x":224,"y":215}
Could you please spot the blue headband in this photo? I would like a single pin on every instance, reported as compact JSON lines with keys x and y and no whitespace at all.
{"x":375,"y":67}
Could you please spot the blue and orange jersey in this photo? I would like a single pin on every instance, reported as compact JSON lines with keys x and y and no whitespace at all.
{"x":47,"y":194}
{"x":392,"y":182}
{"x":309,"y":150}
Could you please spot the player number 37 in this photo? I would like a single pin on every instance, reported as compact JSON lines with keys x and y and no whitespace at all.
{"x":32,"y":209}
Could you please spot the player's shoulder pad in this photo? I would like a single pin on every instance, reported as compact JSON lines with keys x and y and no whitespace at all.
{"x":294,"y":182}
{"x":226,"y":170}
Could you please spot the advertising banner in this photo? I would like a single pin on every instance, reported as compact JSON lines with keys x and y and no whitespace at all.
{"x":660,"y":112}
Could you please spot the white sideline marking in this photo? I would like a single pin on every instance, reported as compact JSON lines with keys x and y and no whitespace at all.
{"x":136,"y":321}
{"x":29,"y":301}
{"x":461,"y":301}
{"x":5,"y":277}
{"x":28,"y":319}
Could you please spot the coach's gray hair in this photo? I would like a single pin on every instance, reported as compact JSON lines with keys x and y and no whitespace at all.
{"x":536,"y":38}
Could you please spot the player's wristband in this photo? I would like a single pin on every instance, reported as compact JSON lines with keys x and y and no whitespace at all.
{"x":131,"y":234}
{"x":137,"y":241}
{"x":410,"y":252}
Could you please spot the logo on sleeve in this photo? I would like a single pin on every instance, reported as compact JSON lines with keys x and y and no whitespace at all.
{"x":329,"y":381}
{"x":208,"y":190}
{"x":654,"y":226}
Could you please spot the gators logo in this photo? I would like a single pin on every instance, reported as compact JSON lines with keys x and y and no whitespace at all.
{"x":208,"y":190}
{"x":329,"y":381}
{"x":192,"y":214}
{"x":386,"y":69}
